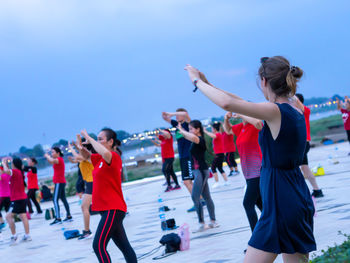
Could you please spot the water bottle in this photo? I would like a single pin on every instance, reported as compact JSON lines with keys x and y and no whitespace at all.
{"x":335,"y":159}
{"x":161,"y":214}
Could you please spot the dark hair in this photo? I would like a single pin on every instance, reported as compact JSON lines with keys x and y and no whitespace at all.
{"x":58,"y":150}
{"x":281,"y":77}
{"x":110,"y":134}
{"x":216,"y":126}
{"x":34,"y":160}
{"x":300,"y":97}
{"x":181,"y":110}
{"x":17,"y":163}
{"x":197,"y":125}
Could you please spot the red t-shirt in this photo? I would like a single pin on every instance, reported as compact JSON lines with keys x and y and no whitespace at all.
{"x":58,"y":172}
{"x":346,"y":119}
{"x":167,"y":147}
{"x":249,"y":149}
{"x":218,"y":144}
{"x":307,"y":113}
{"x":17,"y":191}
{"x":107,"y":191}
{"x":229,"y":144}
{"x":32,"y":180}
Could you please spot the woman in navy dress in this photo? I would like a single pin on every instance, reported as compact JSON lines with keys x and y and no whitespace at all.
{"x":286,"y":223}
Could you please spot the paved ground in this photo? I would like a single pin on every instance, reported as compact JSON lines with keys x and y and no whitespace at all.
{"x":224,"y":244}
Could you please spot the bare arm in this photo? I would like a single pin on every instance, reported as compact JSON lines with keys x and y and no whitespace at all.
{"x":50,"y":159}
{"x":210,"y":134}
{"x":188,"y":136}
{"x":166,"y":117}
{"x":227,"y":125}
{"x":180,"y":113}
{"x":298,"y":104}
{"x":5,"y":165}
{"x":255,"y":122}
{"x":75,"y":154}
{"x":165,"y":134}
{"x":99,"y":148}
{"x":339,"y":106}
{"x":155,"y":142}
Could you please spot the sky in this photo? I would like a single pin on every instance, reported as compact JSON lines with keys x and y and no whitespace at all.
{"x":66,"y":65}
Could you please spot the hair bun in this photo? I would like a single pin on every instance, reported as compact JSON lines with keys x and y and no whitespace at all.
{"x":296,"y":72}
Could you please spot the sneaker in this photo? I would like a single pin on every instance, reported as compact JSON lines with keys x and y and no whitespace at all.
{"x":203,"y":202}
{"x":317,"y":193}
{"x":216,"y":185}
{"x":26,"y":238}
{"x":192,"y":209}
{"x":2,"y":225}
{"x":177,"y":187}
{"x":85,"y":235}
{"x":68,"y":219}
{"x":169,"y":188}
{"x":56,"y":221}
{"x":13,"y":241}
{"x":227,"y":183}
{"x":213,"y":225}
{"x":201,"y":228}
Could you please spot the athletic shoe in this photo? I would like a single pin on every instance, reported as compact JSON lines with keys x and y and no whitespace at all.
{"x":85,"y":235}
{"x":13,"y":241}
{"x":245,"y":251}
{"x":177,"y":187}
{"x":317,"y":193}
{"x":26,"y":238}
{"x":203,"y":202}
{"x":169,"y":188}
{"x":227,"y":183}
{"x":192,"y":209}
{"x":68,"y":219}
{"x":201,"y":228}
{"x":2,"y":225}
{"x":56,"y":221}
{"x":213,"y":225}
{"x":231,"y":173}
{"x":216,"y":185}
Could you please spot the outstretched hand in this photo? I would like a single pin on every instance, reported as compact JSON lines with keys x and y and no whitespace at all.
{"x":85,"y":135}
{"x":193,"y":73}
{"x":228,"y":115}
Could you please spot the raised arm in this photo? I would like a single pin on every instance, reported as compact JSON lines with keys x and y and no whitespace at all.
{"x":227,"y":125}
{"x":180,"y":113}
{"x":166,"y":117}
{"x":155,"y":142}
{"x":70,"y":147}
{"x":339,"y":104}
{"x":50,"y":159}
{"x":165,"y":134}
{"x":99,"y":148}
{"x":187,"y":135}
{"x":230,"y":102}
{"x":210,"y":134}
{"x":255,"y":122}
{"x":5,"y":165}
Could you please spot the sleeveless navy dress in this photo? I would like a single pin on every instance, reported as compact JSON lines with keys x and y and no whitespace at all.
{"x":286,"y":222}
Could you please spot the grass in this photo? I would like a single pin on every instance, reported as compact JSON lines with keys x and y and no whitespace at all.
{"x":319,"y":128}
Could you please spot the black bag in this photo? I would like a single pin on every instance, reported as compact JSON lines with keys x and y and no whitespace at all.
{"x":171,"y":242}
{"x":164,"y":209}
{"x":50,"y":214}
{"x":168,"y":224}
{"x":47,"y":196}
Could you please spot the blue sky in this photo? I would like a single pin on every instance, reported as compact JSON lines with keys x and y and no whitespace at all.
{"x":67,"y":65}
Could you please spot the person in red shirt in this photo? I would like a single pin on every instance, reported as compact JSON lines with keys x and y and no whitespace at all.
{"x":345,"y":110}
{"x":33,"y":186}
{"x":317,"y":192}
{"x":18,"y":198}
{"x":218,"y":147}
{"x":5,"y":200}
{"x":60,"y":184}
{"x":107,"y":195}
{"x":230,"y":148}
{"x":167,"y":150}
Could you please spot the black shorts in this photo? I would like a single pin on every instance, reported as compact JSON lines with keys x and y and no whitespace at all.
{"x":305,"y":159}
{"x":18,"y":206}
{"x":186,"y":169}
{"x":5,"y":203}
{"x":88,"y":188}
{"x":348,"y":133}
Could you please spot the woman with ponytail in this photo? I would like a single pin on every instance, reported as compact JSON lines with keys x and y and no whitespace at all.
{"x":201,"y":173}
{"x":286,"y":223}
{"x":18,"y":198}
{"x":107,"y":195}
{"x":59,"y":179}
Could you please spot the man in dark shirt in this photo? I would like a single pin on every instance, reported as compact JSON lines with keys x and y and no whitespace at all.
{"x":184,"y":145}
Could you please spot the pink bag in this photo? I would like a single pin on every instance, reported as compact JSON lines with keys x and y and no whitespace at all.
{"x":184,"y":233}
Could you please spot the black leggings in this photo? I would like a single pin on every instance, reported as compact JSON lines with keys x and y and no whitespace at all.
{"x":168,"y":170}
{"x":348,"y":133}
{"x":60,"y":193}
{"x":80,"y":185}
{"x":217,"y":163}
{"x":5,"y":203}
{"x":32,"y":196}
{"x":230,"y":160}
{"x":111,"y":226}
{"x":252,"y":197}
